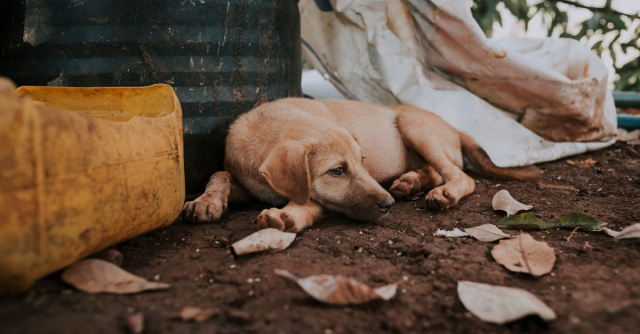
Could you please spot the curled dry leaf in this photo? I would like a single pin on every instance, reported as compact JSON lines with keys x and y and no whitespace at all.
{"x":340,"y":290}
{"x":565,"y":220}
{"x":196,"y":314}
{"x":503,"y":201}
{"x":610,"y":232}
{"x":524,"y":255}
{"x":499,"y":304}
{"x":96,"y":276}
{"x":269,"y":239}
{"x":624,"y":135}
{"x":629,"y":232}
{"x":486,"y":233}
{"x":455,"y":233}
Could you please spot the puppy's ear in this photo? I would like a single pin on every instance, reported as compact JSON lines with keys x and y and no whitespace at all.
{"x":287,"y":171}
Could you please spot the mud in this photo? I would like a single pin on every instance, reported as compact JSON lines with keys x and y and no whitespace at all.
{"x":594,"y":287}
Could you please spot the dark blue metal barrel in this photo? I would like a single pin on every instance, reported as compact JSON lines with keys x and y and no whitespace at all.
{"x":221,"y":57}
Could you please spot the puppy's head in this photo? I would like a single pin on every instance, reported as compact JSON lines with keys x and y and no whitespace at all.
{"x":328,"y":169}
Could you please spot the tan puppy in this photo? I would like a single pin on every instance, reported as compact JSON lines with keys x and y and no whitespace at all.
{"x":307,"y":156}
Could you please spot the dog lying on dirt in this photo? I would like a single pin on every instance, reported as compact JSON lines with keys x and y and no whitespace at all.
{"x":307,"y":156}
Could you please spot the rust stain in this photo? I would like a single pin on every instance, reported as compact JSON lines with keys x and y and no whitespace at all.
{"x":585,"y":71}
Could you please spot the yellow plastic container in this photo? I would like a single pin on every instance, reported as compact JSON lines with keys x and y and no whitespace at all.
{"x":82,"y":169}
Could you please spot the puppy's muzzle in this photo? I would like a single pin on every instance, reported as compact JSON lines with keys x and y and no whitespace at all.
{"x":385,"y":204}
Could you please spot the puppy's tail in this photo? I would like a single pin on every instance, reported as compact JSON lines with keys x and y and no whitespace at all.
{"x":481,"y":161}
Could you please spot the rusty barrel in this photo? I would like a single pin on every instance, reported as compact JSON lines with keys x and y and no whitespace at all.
{"x":221,"y":57}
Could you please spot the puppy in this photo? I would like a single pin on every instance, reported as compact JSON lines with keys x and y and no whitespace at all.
{"x":307,"y":156}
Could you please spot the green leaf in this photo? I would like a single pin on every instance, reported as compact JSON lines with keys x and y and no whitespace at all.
{"x":566,"y":220}
{"x":573,"y":220}
{"x":511,"y":6}
{"x":617,"y":22}
{"x":594,"y":22}
{"x":596,"y":45}
{"x":525,"y":220}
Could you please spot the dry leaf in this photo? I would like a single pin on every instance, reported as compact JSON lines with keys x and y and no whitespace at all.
{"x":503,"y":201}
{"x":135,"y":323}
{"x":340,"y":290}
{"x":629,"y":232}
{"x":624,"y":135}
{"x":609,"y":231}
{"x":486,"y":233}
{"x":96,"y":276}
{"x":586,"y":163}
{"x":196,"y":314}
{"x":455,"y":233}
{"x":524,"y":255}
{"x":269,"y":239}
{"x":500,"y":304}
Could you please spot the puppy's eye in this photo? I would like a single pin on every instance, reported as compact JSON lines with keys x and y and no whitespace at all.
{"x":337,"y":171}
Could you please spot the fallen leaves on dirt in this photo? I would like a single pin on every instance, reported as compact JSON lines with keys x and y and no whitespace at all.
{"x":627,"y":136}
{"x":586,"y":163}
{"x":525,"y":255}
{"x":135,"y":323}
{"x":339,"y":289}
{"x":269,"y":239}
{"x":565,"y":220}
{"x":486,"y":233}
{"x":499,"y":304}
{"x":97,"y":276}
{"x":196,"y":314}
{"x":455,"y":233}
{"x":629,"y":232}
{"x":503,"y":201}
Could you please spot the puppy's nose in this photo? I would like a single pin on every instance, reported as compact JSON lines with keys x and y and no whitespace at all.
{"x":386,"y":203}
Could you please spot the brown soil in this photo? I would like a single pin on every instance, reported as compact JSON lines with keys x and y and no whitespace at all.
{"x":594,"y":288}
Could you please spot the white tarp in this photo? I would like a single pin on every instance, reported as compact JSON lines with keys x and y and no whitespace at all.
{"x":523,"y":100}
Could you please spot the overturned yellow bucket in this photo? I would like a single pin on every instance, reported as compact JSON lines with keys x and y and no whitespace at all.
{"x":82,"y":169}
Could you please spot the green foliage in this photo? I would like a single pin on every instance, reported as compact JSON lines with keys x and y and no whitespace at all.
{"x":602,"y":30}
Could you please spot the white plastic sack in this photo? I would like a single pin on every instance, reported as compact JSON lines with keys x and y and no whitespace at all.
{"x":523,"y":100}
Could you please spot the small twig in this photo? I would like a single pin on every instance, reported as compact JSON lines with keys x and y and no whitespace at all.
{"x":572,"y":233}
{"x":632,"y":151}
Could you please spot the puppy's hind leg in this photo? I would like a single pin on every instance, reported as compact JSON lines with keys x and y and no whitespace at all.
{"x":292,"y":218}
{"x":439,"y":144}
{"x":414,"y":182}
{"x":209,"y":207}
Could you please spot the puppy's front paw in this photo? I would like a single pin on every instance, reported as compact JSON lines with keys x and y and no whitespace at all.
{"x":204,"y":209}
{"x":440,"y":199}
{"x":276,"y":218}
{"x":406,"y":186}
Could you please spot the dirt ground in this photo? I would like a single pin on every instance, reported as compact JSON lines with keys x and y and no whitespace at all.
{"x":594,"y":288}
